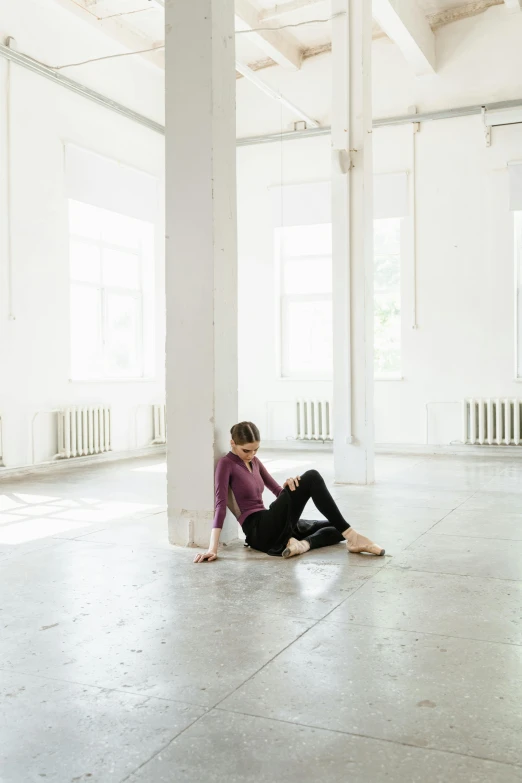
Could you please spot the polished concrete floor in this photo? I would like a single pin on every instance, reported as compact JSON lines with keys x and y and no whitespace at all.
{"x":121,"y":660}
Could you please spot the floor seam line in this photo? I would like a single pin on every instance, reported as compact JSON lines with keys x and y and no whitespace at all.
{"x":161,"y":750}
{"x":478,"y":538}
{"x":428,"y":633}
{"x":103,"y":688}
{"x":450,"y":573}
{"x":460,"y":576}
{"x":441,"y":520}
{"x":287,"y":647}
{"x":371,"y":737}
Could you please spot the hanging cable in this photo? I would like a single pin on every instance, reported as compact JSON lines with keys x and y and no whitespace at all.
{"x":159,"y":47}
{"x":128,"y":13}
{"x":290,"y":25}
{"x":84,"y":8}
{"x":96,"y":59}
{"x":106,"y":57}
{"x":111,"y":16}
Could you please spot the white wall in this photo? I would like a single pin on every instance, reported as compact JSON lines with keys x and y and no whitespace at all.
{"x":35,"y":345}
{"x":464,"y":343}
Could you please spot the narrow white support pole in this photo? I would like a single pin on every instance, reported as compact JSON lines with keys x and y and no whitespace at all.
{"x":352,"y":217}
{"x":201,"y":259}
{"x":341,"y":164}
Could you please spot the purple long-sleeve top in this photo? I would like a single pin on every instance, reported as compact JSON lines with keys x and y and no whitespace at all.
{"x":231,"y":472}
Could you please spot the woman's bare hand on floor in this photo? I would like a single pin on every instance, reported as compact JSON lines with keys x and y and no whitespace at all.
{"x":209,"y":556}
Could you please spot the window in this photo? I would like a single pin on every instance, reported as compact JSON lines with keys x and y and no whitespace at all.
{"x":110,"y":255}
{"x":305,"y":269}
{"x":387,"y":298}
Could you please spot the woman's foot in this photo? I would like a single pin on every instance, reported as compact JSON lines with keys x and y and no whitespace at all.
{"x":358,"y":544}
{"x":295,"y":547}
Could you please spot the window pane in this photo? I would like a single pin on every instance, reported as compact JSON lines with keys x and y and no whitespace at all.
{"x":107,"y":329}
{"x":307,"y":337}
{"x":387,"y":335}
{"x":387,"y":237}
{"x":306,"y":240}
{"x":120,"y":269}
{"x":122,"y":343}
{"x":121,"y":230}
{"x":307,"y":276}
{"x":387,"y":274}
{"x":84,"y":261}
{"x":85,"y":331}
{"x":84,"y":220}
{"x":387,"y":297}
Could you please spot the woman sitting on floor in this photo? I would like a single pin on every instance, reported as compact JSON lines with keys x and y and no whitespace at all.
{"x":280,"y":529}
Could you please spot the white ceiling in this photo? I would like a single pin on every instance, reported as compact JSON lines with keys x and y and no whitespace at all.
{"x":145,"y":18}
{"x":435,"y":6}
{"x":140,"y":23}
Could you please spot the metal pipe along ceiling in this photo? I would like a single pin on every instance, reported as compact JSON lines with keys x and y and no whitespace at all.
{"x":55,"y":76}
{"x":405,"y":119}
{"x":42,"y":70}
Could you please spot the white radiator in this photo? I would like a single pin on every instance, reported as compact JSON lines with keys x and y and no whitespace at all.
{"x":492,"y":422}
{"x":159,"y":424}
{"x":314,"y":420}
{"x":84,"y":431}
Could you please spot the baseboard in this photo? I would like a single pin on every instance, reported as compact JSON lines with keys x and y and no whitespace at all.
{"x":297,"y":445}
{"x":390,"y":449}
{"x":456,"y":450}
{"x":76,"y":462}
{"x":398,"y":449}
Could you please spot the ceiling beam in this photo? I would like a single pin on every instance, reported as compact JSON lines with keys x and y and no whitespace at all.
{"x":112,"y":8}
{"x":514,"y":5}
{"x":279,"y":45}
{"x":436,"y":21}
{"x":406,"y":25}
{"x":249,"y":74}
{"x":450,"y":15}
{"x":287,"y":8}
{"x":117,"y":31}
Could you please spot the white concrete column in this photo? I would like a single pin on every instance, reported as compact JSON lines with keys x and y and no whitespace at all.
{"x":352,"y":216}
{"x":201,"y":259}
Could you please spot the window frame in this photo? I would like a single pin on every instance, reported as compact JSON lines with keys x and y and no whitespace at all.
{"x":397,"y":374}
{"x":283,"y":300}
{"x":104,"y":373}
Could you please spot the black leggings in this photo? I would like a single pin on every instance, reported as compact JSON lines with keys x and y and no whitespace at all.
{"x":318,"y":534}
{"x":269,"y":530}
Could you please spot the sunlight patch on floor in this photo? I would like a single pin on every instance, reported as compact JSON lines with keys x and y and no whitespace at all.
{"x":36,"y":520}
{"x":161,"y":467}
